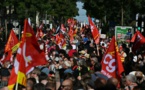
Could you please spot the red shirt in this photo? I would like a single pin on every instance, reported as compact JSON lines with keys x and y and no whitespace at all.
{"x":70,"y":52}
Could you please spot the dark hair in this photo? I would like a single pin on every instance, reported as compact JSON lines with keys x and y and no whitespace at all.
{"x":69,"y":76}
{"x":75,"y":54}
{"x":97,"y":67}
{"x":111,"y":85}
{"x":39,"y":86}
{"x":43,"y":76}
{"x":129,"y":29}
{"x":20,"y":87}
{"x":138,"y":88}
{"x":100,"y":84}
{"x":4,"y":72}
{"x":50,"y":84}
{"x":88,"y":62}
{"x":78,"y":85}
{"x":142,"y":85}
{"x":32,"y":79}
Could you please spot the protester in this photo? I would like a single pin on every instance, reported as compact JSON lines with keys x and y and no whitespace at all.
{"x":76,"y":62}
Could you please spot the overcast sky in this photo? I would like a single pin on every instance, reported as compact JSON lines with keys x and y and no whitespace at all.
{"x":82,"y":13}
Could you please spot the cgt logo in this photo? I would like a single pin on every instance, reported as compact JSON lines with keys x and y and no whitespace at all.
{"x":109,"y":61}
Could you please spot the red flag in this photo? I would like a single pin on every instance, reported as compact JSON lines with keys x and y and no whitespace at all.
{"x":71,"y":34}
{"x":28,"y":56}
{"x":138,"y":40}
{"x":63,"y":41}
{"x":133,"y":38}
{"x":13,"y":77}
{"x":21,"y":67}
{"x":9,"y":48}
{"x":7,"y":57}
{"x":32,"y":45}
{"x":60,"y":40}
{"x":71,"y":22}
{"x":12,"y":40}
{"x":97,"y":41}
{"x":94,"y":30}
{"x":29,"y":35}
{"x":111,"y":63}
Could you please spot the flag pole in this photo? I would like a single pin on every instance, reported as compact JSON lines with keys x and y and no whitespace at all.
{"x":16,"y":88}
{"x":97,"y":47}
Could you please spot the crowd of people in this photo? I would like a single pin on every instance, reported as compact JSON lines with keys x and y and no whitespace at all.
{"x":78,"y":65}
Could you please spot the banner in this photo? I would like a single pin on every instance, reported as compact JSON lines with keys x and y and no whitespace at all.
{"x":111,"y":63}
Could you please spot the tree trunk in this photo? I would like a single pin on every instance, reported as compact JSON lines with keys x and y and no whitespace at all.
{"x":122,"y":16}
{"x":37,"y":19}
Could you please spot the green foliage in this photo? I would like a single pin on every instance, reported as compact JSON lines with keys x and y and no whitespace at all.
{"x":63,"y":8}
{"x":28,"y":8}
{"x":112,"y":9}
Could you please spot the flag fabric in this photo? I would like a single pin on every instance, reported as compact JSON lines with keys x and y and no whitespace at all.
{"x":97,"y":41}
{"x":18,"y":74}
{"x":71,"y":22}
{"x":6,"y":57}
{"x":32,"y":44}
{"x":71,"y":34}
{"x":28,"y":56}
{"x":9,"y":48}
{"x":60,"y":40}
{"x":13,"y":77}
{"x":30,"y":35}
{"x":138,"y":39}
{"x":133,"y":38}
{"x":111,"y":63}
{"x":63,"y":41}
{"x":12,"y":41}
{"x":14,"y":48}
{"x":94,"y":30}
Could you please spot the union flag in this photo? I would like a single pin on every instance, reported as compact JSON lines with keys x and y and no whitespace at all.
{"x":111,"y":62}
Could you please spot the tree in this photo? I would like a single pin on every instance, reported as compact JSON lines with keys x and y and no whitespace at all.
{"x":122,"y":12}
{"x":29,"y":8}
{"x":63,"y":9}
